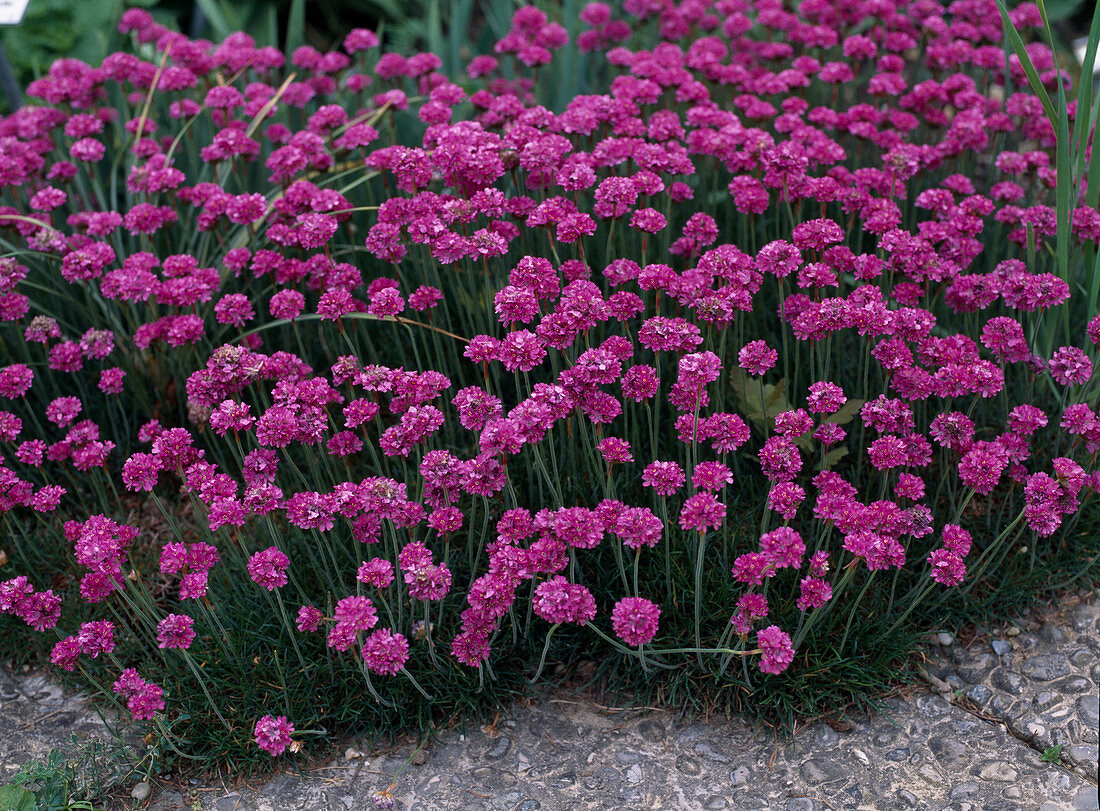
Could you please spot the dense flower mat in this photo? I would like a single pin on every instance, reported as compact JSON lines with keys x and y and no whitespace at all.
{"x":329,"y":365}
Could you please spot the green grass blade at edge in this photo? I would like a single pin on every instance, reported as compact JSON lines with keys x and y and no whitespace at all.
{"x":1086,"y":112}
{"x":1026,"y":63}
{"x":295,"y":26}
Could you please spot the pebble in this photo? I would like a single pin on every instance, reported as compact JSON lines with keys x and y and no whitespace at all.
{"x":945,"y":638}
{"x":1000,"y":646}
{"x":351,"y":753}
{"x":141,"y":791}
{"x":1088,"y":707}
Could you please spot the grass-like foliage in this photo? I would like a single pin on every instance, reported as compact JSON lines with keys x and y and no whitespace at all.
{"x":342,"y":393}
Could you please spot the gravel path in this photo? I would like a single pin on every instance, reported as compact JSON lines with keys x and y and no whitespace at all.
{"x":973,"y":740}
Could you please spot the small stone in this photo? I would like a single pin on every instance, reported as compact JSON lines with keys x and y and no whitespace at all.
{"x":499,"y":748}
{"x":820,"y":770}
{"x":967,"y":789}
{"x":715,"y":802}
{"x":1012,"y":793}
{"x":1035,"y":729}
{"x":1008,"y":680}
{"x":740,"y":776}
{"x":950,"y":751}
{"x":627,"y":757}
{"x":1046,"y":667}
{"x":1003,"y":706}
{"x":908,"y":798}
{"x":1088,"y":707}
{"x":687,"y":765}
{"x":945,"y":639}
{"x":1083,"y":753}
{"x":998,"y":770}
{"x":1000,"y":646}
{"x":1044,"y":700}
{"x":979,"y":694}
{"x":141,"y":791}
{"x":1012,"y":630}
{"x":930,"y":774}
{"x":634,"y":774}
{"x":1052,"y":633}
{"x":861,"y":756}
{"x":705,"y":749}
{"x":351,"y":753}
{"x":1086,"y":799}
{"x":1072,"y":684}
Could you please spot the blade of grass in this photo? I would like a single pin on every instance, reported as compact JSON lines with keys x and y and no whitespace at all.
{"x":1085,"y":118}
{"x":1025,"y":62}
{"x":1066,"y":182}
{"x":458,"y":33}
{"x":295,"y":26}
{"x":435,"y":28}
{"x":216,"y":17}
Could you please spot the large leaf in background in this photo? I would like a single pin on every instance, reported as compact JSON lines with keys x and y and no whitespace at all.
{"x":16,"y":798}
{"x":1063,"y":9}
{"x":53,"y":29}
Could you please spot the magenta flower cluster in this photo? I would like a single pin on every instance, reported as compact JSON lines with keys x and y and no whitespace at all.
{"x":533,"y":359}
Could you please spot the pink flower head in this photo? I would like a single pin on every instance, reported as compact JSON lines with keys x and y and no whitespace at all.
{"x":268,"y":567}
{"x":783,"y":547}
{"x":711,"y":476}
{"x":825,"y":398}
{"x":947,"y":567}
{"x":558,"y":601}
{"x":175,"y":631}
{"x":385,"y":652}
{"x":615,"y":451}
{"x":664,"y":477}
{"x":15,"y":380}
{"x":756,"y":357}
{"x":776,"y":649}
{"x":981,"y":469}
{"x":377,"y":572}
{"x":287,"y":304}
{"x":634,"y":620}
{"x":813,"y":593}
{"x":702,"y":512}
{"x":273,"y":734}
{"x":309,"y":618}
{"x":1070,"y":366}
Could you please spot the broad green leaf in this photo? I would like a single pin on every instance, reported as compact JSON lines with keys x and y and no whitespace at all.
{"x":16,"y":798}
{"x":847,"y":412}
{"x":759,"y":402}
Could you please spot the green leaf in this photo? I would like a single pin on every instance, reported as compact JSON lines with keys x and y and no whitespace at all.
{"x":212,"y":10}
{"x":847,"y":412}
{"x":16,"y":798}
{"x":1033,"y":79}
{"x":296,"y":25}
{"x":758,"y":401}
{"x":1052,"y":754}
{"x":1087,"y":110}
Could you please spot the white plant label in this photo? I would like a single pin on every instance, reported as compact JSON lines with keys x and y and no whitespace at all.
{"x":12,"y":11}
